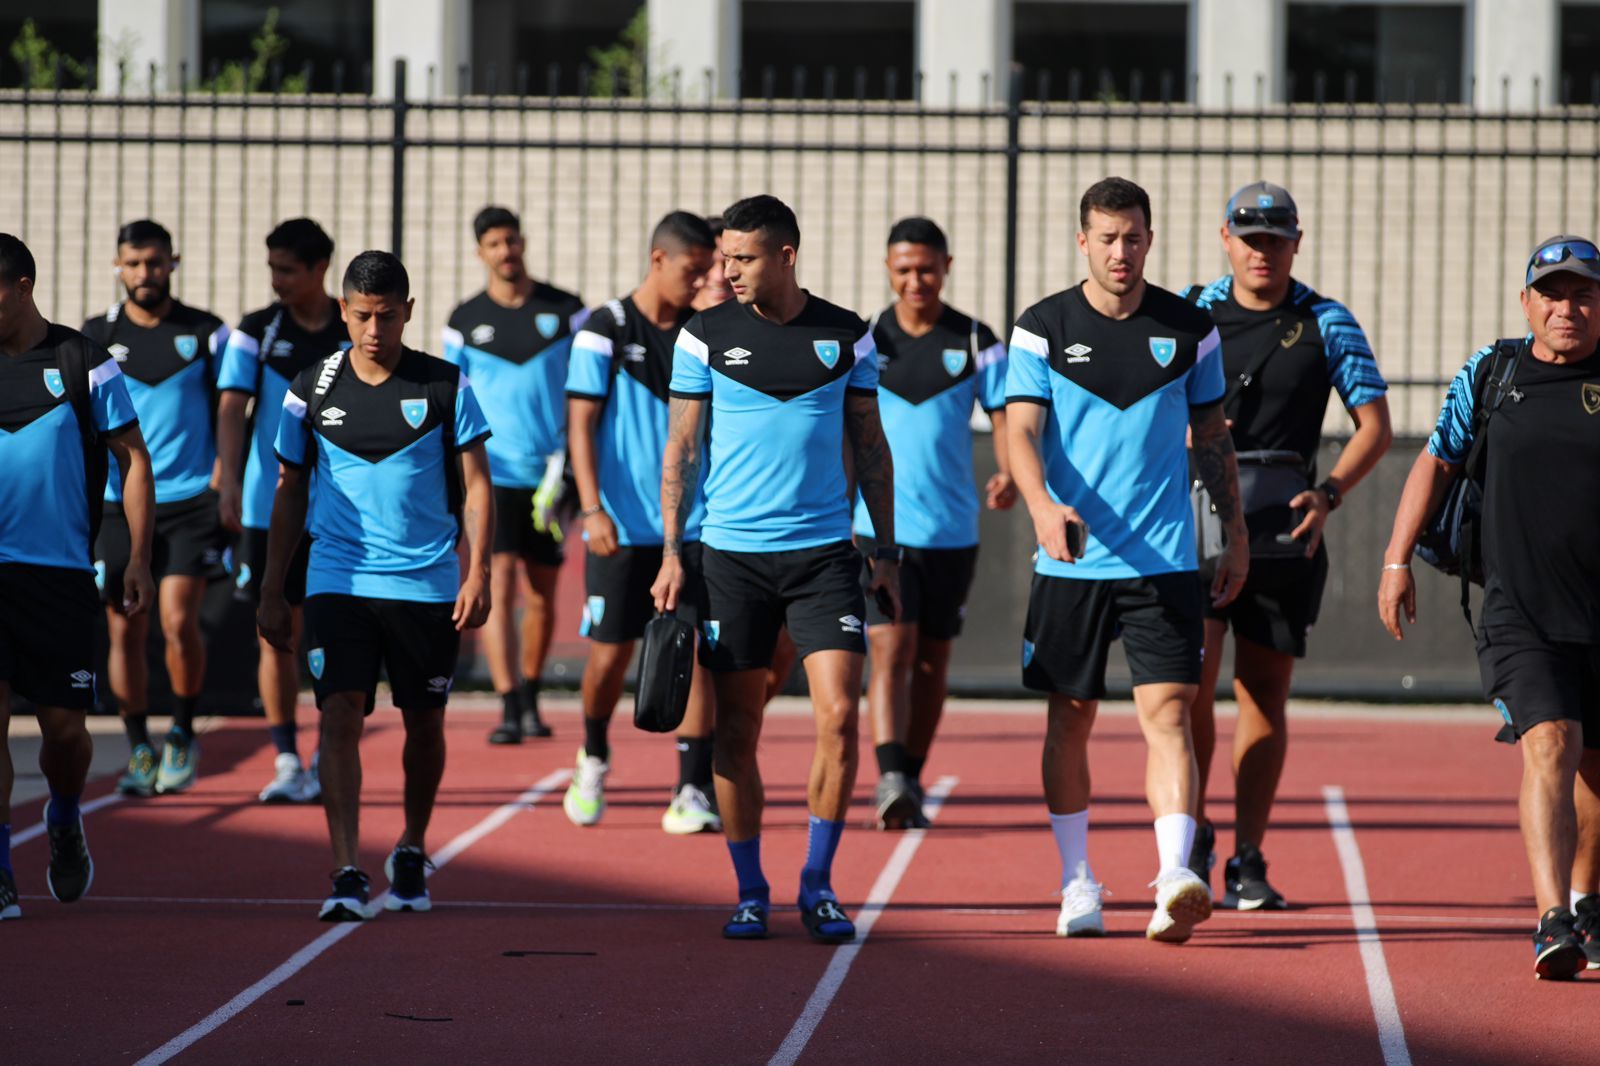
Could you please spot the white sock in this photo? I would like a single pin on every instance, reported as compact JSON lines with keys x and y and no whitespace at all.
{"x":1072,"y":840}
{"x":1174,"y":840}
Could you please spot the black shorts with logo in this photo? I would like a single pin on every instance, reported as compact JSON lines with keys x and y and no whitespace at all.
{"x":250,"y":563}
{"x":1279,"y":603}
{"x":1072,"y":622}
{"x":749,"y":596}
{"x":351,"y":637}
{"x":617,"y":601}
{"x":514,"y":532}
{"x":188,"y":543}
{"x":1533,"y":680}
{"x":47,"y":625}
{"x":934,"y":583}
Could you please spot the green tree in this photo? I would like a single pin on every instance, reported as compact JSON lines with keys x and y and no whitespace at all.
{"x":619,"y":69}
{"x":37,"y":57}
{"x":269,"y":47}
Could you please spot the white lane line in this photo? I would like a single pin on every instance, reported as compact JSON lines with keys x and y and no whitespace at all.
{"x":845,"y":954}
{"x":37,"y":830}
{"x":1380,"y":989}
{"x":302,"y":958}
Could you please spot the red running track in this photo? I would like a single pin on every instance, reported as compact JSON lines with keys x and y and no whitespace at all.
{"x":613,"y":931}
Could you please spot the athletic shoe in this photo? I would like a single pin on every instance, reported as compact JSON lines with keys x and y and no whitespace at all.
{"x":1558,"y":953}
{"x":180,"y":763}
{"x":585,"y":800}
{"x":749,"y":921}
{"x":1244,"y":883}
{"x":690,"y":812}
{"x":311,"y":781}
{"x":288,"y":780}
{"x":533,"y":725}
{"x":71,"y":870}
{"x":407,"y":870}
{"x":897,"y":802}
{"x":140,"y":777}
{"x":9,"y":907}
{"x":1080,"y":906}
{"x":506,"y":733}
{"x":348,"y":902}
{"x":1587,"y":913}
{"x":1183,"y":901}
{"x":827,"y":922}
{"x":1203,"y":855}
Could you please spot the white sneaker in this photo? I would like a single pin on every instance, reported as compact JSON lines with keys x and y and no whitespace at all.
{"x":585,"y":800}
{"x":690,"y":812}
{"x":285,"y":786}
{"x":311,"y":781}
{"x":1080,"y":906}
{"x":1183,"y":901}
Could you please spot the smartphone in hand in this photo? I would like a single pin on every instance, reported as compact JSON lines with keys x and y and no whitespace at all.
{"x":1075,"y":538}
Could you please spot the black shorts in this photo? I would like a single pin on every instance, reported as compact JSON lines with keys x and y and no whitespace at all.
{"x":1279,"y":603}
{"x":1072,"y":622}
{"x":618,"y":602}
{"x":514,"y":532}
{"x":47,"y":625}
{"x":749,"y":596}
{"x":351,"y":637}
{"x":188,"y":543}
{"x":250,"y":563}
{"x":934,"y":583}
{"x":1533,"y":680}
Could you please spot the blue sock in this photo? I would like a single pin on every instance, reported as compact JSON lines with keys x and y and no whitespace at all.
{"x":816,"y":876}
{"x":283,"y":739}
{"x":747,"y":868}
{"x":61,"y":810}
{"x":5,"y":846}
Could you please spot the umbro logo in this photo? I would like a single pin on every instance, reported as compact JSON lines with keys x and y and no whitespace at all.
{"x":633,"y":353}
{"x":82,"y":679}
{"x":438,"y":684}
{"x":333,"y":416}
{"x":282,"y":349}
{"x":482,"y":334}
{"x":330,"y":369}
{"x":1078,"y":353}
{"x":119,"y":352}
{"x":850,"y":623}
{"x":737,"y":356}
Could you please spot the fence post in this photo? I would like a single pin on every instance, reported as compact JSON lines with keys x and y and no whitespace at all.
{"x":397,"y":196}
{"x":1013,"y":161}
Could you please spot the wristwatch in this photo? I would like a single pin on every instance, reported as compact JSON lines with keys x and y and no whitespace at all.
{"x":894,"y":555}
{"x":1334,"y":499}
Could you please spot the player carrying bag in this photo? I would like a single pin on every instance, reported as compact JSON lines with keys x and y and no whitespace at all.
{"x":666,"y":663}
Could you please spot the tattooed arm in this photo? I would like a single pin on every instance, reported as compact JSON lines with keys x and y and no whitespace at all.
{"x":873,"y":468}
{"x":1219,"y":472}
{"x":680,"y":481}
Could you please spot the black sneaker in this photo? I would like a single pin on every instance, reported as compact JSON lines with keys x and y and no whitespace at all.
{"x":1203,"y":853}
{"x":1558,"y":953}
{"x":1587,"y":913}
{"x":1244,"y":882}
{"x":71,"y":870}
{"x":533,"y":725}
{"x":348,"y":902}
{"x":9,"y":907}
{"x":507,"y":732}
{"x":407,"y":871}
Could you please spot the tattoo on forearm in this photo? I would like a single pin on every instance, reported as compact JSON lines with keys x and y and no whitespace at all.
{"x":874,"y":466}
{"x":680,"y":473}
{"x":1213,"y":458}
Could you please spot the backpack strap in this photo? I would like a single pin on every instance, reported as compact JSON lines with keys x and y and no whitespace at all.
{"x":1490,"y":389}
{"x":96,"y":464}
{"x":443,"y":392}
{"x":328,"y":374}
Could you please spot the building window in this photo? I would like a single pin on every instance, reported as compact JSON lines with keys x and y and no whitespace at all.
{"x":1102,"y":51}
{"x":788,"y":49}
{"x":1580,"y":54}
{"x":333,"y":38}
{"x":561,"y":47}
{"x":1369,"y":53}
{"x":63,"y":27}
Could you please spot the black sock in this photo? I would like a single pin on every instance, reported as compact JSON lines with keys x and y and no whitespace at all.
{"x":892,"y":758}
{"x":530,"y":694}
{"x":914,"y":765}
{"x":183,"y":717}
{"x":511,"y":708}
{"x":137,"y":726}
{"x":694,"y":762}
{"x":595,"y":743}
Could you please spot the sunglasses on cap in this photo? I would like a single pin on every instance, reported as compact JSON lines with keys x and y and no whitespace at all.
{"x":1275,"y":217}
{"x":1559,"y":252}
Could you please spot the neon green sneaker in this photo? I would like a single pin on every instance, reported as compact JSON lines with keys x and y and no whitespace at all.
{"x":585,"y":800}
{"x":140,"y":777}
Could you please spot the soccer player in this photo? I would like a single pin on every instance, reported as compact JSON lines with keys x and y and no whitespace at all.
{"x":936,"y":363}
{"x":617,"y":426}
{"x":1537,"y":460}
{"x":382,"y":462}
{"x":1105,"y":379}
{"x":1313,"y":346}
{"x":63,"y":404}
{"x":514,"y":339}
{"x":268,"y":350}
{"x":783,"y":378}
{"x":169,"y":353}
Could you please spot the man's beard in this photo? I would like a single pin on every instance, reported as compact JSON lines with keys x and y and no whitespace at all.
{"x":149,"y":302}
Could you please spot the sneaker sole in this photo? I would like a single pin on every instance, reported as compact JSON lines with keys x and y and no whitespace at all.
{"x":689,"y":827}
{"x":164,"y":789}
{"x":344,"y":910}
{"x":142,"y":791}
{"x":1186,"y":909}
{"x":272,"y":798}
{"x":577,"y":817}
{"x":11,"y":913}
{"x":1560,"y":962}
{"x":760,"y":934}
{"x":499,"y":738}
{"x":1079,"y":929}
{"x":394,"y":903}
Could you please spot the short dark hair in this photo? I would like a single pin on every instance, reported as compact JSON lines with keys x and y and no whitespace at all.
{"x":1111,"y":195}
{"x":680,"y":231}
{"x":143,"y":232}
{"x":919,"y":230}
{"x":16,"y":262}
{"x":716,"y":225}
{"x":303,"y":239}
{"x":377,"y":274}
{"x":766,"y":213}
{"x":494,"y":217}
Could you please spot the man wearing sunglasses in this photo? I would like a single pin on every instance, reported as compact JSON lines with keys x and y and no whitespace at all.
{"x":1538,"y":633}
{"x":1284,"y":349}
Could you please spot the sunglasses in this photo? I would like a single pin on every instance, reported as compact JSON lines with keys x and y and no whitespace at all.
{"x":1561,"y":251}
{"x":1275,"y":217}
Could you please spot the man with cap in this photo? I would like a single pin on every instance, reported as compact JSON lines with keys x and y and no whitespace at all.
{"x":1538,"y":632}
{"x":1284,"y":349}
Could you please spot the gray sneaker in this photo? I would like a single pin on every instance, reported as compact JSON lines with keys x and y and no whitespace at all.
{"x":897,"y":802}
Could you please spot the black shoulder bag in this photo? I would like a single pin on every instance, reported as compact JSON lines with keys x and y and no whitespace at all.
{"x":666,"y":668}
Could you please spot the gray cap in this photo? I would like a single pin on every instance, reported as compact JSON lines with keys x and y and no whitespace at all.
{"x":1262,"y":207}
{"x":1575,"y":255}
